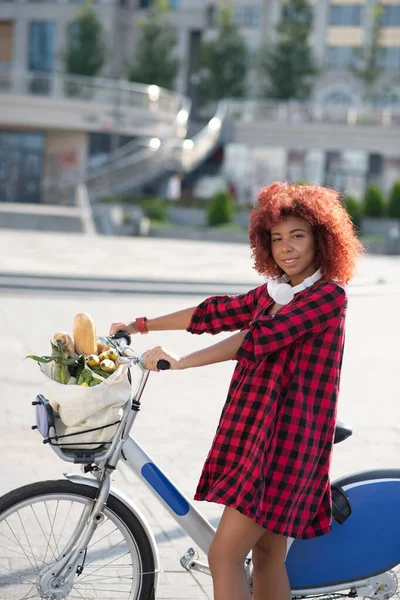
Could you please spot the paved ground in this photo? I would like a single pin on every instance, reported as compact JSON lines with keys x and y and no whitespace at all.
{"x":181,"y":409}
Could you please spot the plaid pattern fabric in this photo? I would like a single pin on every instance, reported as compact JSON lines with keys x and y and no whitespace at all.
{"x":272,"y":451}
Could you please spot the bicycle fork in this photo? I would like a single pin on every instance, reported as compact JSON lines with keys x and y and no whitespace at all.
{"x":56,"y":580}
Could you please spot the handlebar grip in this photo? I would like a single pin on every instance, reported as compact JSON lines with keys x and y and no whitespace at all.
{"x":122,"y":334}
{"x":163,"y":365}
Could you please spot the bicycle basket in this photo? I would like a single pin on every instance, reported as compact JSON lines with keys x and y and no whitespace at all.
{"x":84,"y":417}
{"x":76,"y":438}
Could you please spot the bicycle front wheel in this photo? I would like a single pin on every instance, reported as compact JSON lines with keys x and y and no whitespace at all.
{"x":38,"y":520}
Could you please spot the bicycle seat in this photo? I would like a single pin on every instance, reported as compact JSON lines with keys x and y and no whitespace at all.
{"x":342,"y":431}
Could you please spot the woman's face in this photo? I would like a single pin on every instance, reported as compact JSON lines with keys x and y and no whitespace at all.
{"x":293,"y":248}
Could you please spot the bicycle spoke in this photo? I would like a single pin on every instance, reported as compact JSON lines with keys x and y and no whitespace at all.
{"x":104,"y":536}
{"x":108,"y":552}
{"x":44,"y":534}
{"x":102,"y":567}
{"x":16,"y":551}
{"x":49,"y":539}
{"x":65,"y":522}
{"x":27,"y":539}
{"x":85,"y":590}
{"x":27,"y":594}
{"x":18,"y":575}
{"x":18,"y":542}
{"x":113,"y":591}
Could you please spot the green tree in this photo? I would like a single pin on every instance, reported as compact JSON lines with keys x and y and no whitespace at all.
{"x":288,"y":67}
{"x":155,"y":62}
{"x":368,"y":68}
{"x":86,"y":48}
{"x":374,"y":202}
{"x":355,"y":210}
{"x":394,"y":201}
{"x":223,"y":61}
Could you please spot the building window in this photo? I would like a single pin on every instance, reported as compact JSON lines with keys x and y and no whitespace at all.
{"x":21,"y":165}
{"x":6,"y":44}
{"x":338,"y":99}
{"x":391,"y":16}
{"x":247,"y":16}
{"x":211,"y":15}
{"x":145,"y":3}
{"x":340,"y":57}
{"x":239,"y":15}
{"x":389,"y":58}
{"x":73,"y":35}
{"x":253,"y":16}
{"x":345,"y":15}
{"x":41,"y":44}
{"x":388,"y":99}
{"x":174,"y":4}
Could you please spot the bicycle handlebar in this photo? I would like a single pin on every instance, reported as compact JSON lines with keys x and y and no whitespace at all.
{"x":162,"y":365}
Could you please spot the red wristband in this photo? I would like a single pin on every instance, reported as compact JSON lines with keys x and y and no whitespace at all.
{"x":141,"y":325}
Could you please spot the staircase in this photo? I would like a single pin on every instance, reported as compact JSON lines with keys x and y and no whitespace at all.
{"x":133,"y":165}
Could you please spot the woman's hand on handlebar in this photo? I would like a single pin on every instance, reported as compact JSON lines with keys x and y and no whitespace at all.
{"x":128,"y":327}
{"x":151,"y":358}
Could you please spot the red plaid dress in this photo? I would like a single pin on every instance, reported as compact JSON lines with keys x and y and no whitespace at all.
{"x":272,"y":451}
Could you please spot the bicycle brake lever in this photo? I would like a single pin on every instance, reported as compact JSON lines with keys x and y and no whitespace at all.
{"x":119,"y":335}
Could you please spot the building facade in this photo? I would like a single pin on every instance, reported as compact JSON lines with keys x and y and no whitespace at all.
{"x":34,"y":36}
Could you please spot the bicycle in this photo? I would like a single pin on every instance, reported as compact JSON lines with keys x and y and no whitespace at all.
{"x":78,"y":538}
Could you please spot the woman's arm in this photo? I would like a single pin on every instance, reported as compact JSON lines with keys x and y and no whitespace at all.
{"x":213,"y":315}
{"x":173,"y":321}
{"x":225,"y":350}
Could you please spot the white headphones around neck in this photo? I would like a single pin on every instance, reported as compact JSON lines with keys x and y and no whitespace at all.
{"x":283,"y":293}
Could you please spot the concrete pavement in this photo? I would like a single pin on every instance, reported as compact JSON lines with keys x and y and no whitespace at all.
{"x":180,"y":410}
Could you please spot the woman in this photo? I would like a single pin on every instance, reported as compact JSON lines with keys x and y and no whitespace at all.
{"x":270,"y":458}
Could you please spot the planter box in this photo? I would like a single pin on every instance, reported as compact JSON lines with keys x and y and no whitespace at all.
{"x":373,"y":226}
{"x":197,"y":217}
{"x":388,"y":229}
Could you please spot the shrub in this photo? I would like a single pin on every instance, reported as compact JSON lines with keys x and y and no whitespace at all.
{"x":374,"y":202}
{"x":394,"y":201}
{"x":220,"y":209}
{"x":355,"y":210}
{"x":155,"y":209}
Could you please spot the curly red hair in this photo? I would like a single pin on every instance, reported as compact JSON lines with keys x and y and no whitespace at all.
{"x":337,"y":245}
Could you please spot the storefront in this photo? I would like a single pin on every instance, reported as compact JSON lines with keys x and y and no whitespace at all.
{"x":21,"y":166}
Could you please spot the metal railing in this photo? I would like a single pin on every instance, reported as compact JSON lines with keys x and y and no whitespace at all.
{"x":204,"y":142}
{"x":117,"y":92}
{"x":251,"y":111}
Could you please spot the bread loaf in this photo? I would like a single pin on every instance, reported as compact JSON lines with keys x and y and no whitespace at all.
{"x":84,"y":332}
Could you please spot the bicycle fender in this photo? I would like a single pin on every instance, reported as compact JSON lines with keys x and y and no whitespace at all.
{"x":84,"y":480}
{"x":364,"y":545}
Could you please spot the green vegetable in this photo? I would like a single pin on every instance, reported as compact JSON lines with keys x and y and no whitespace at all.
{"x":98,"y":371}
{"x":60,"y":355}
{"x":61,"y":374}
{"x":87,"y":377}
{"x":84,"y":377}
{"x":41,"y":359}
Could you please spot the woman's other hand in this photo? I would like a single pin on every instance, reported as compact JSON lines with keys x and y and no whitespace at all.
{"x":128,"y":327}
{"x":151,"y":358}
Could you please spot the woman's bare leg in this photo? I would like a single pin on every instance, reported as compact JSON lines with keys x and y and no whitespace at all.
{"x":236,"y":535}
{"x":270,"y":580}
